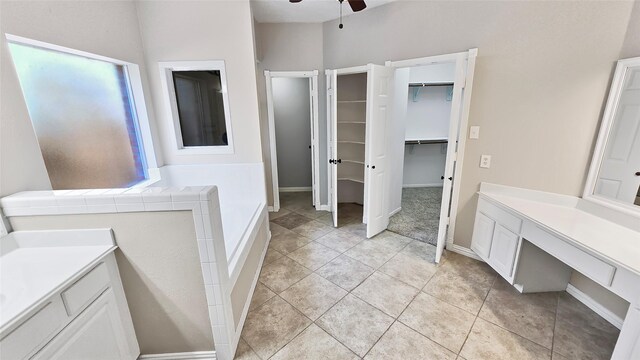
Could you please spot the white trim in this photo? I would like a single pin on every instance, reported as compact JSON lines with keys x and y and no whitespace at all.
{"x":315,"y":138}
{"x":395,"y":211}
{"x":194,"y":355}
{"x":603,"y":136}
{"x":136,"y":93}
{"x":353,"y":70}
{"x":463,"y":251}
{"x":171,"y":106}
{"x":295,"y":189}
{"x":405,"y":186}
{"x":323,"y":208}
{"x":270,"y":209}
{"x":589,"y":302}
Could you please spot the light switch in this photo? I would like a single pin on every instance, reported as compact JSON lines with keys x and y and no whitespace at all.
{"x":485,"y":161}
{"x":474,"y":132}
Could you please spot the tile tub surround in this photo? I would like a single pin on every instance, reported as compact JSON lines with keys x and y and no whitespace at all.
{"x":202,"y":201}
{"x":391,"y":311}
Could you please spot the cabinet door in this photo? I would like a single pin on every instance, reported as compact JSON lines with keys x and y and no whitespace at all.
{"x":503,"y":250}
{"x":482,"y":235}
{"x":96,"y":334}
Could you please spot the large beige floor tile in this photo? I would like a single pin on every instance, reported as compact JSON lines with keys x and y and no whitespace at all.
{"x":355,"y":323}
{"x":286,"y":243}
{"x":314,"y":344}
{"x":580,"y":333}
{"x":358,"y":229}
{"x":340,"y":241}
{"x":291,"y":220}
{"x":313,"y":229}
{"x":278,"y":230}
{"x":309,"y":211}
{"x":345,"y":272}
{"x":313,"y":295}
{"x":313,"y":255}
{"x":386,"y":293}
{"x":489,"y":341}
{"x":376,"y":251}
{"x":531,"y":316}
{"x":260,"y":296}
{"x":244,"y":352}
{"x":275,"y":215}
{"x":410,"y":269}
{"x":271,"y":256}
{"x":282,"y":273}
{"x":443,"y":323}
{"x":272,"y":326}
{"x":462,"y":281}
{"x":403,"y":343}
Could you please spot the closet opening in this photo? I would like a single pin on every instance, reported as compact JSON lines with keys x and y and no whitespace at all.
{"x":293,"y":124}
{"x":428,"y":112}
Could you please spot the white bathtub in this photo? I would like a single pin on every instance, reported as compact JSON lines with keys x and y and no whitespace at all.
{"x":242,"y":193}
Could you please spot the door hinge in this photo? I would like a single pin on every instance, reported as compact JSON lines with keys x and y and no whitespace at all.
{"x":330,"y":92}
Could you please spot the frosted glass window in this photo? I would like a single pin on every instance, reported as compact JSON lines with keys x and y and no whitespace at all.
{"x":84,"y":118}
{"x":199,"y":99}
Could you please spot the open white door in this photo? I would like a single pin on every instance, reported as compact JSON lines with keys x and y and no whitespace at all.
{"x":332,"y":127}
{"x":378,"y":113}
{"x":617,"y":178}
{"x":457,"y":104}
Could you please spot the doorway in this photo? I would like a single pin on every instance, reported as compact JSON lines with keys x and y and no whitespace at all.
{"x":292,"y":104}
{"x":431,"y":106}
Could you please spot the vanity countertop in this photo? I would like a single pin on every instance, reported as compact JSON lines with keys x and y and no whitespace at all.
{"x":558,"y":213}
{"x":34,"y":264}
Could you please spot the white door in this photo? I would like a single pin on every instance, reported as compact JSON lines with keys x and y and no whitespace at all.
{"x":378,"y":115}
{"x":452,"y":148}
{"x":332,"y":111}
{"x":617,"y":177}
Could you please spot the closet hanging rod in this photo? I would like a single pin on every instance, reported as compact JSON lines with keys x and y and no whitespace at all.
{"x":422,"y":142}
{"x":429,"y":84}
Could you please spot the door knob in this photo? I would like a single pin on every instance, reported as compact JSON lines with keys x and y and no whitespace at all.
{"x":373,"y":166}
{"x":638,"y":173}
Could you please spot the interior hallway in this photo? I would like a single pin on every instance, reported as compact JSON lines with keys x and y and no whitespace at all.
{"x":327,"y":293}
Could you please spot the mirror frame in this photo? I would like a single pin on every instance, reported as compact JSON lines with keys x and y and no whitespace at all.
{"x":603,"y":136}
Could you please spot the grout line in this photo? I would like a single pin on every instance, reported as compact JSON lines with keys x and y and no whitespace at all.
{"x":555,"y":322}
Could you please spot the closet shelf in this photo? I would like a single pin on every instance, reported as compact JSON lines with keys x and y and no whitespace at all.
{"x":352,"y":122}
{"x":351,"y":179}
{"x":351,"y":101}
{"x":426,"y":141}
{"x":350,"y":142}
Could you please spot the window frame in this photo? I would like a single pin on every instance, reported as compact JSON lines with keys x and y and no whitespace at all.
{"x":135,"y":93}
{"x":171,"y":105}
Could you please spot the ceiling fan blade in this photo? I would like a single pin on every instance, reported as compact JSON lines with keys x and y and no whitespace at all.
{"x":357,"y":5}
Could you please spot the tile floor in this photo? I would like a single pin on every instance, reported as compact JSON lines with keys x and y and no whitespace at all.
{"x":327,"y":293}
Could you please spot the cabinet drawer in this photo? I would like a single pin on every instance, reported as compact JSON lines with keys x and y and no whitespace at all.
{"x":501,"y":216}
{"x":34,"y":332}
{"x":85,"y":290}
{"x":589,"y":265}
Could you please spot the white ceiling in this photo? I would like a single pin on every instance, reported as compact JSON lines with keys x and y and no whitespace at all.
{"x":307,"y":11}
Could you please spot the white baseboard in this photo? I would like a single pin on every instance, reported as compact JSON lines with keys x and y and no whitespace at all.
{"x":463,"y":251}
{"x":270,"y":209}
{"x":589,"y":302}
{"x":194,"y":355}
{"x":395,"y":211}
{"x":422,"y":185}
{"x":295,"y":189}
{"x":323,"y":208}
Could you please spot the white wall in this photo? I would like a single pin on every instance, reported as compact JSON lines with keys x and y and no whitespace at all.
{"x":435,"y":73}
{"x":424,"y":165}
{"x":539,"y":80}
{"x":108,"y":28}
{"x":291,"y":47}
{"x":291,"y":107}
{"x":205,"y":30}
{"x":428,"y":117}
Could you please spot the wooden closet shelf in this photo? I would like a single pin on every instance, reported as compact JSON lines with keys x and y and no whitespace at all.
{"x":353,"y":161}
{"x":351,"y":179}
{"x":350,"y":142}
{"x":351,"y":101}
{"x":352,"y":122}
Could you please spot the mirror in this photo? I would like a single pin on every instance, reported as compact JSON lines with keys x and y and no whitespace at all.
{"x":614,"y":176}
{"x":198,"y":106}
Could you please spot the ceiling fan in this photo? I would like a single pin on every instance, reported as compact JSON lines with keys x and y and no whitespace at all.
{"x":356,"y":5}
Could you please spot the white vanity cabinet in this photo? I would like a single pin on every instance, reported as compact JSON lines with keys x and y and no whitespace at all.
{"x":72,"y":307}
{"x":496,"y":238}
